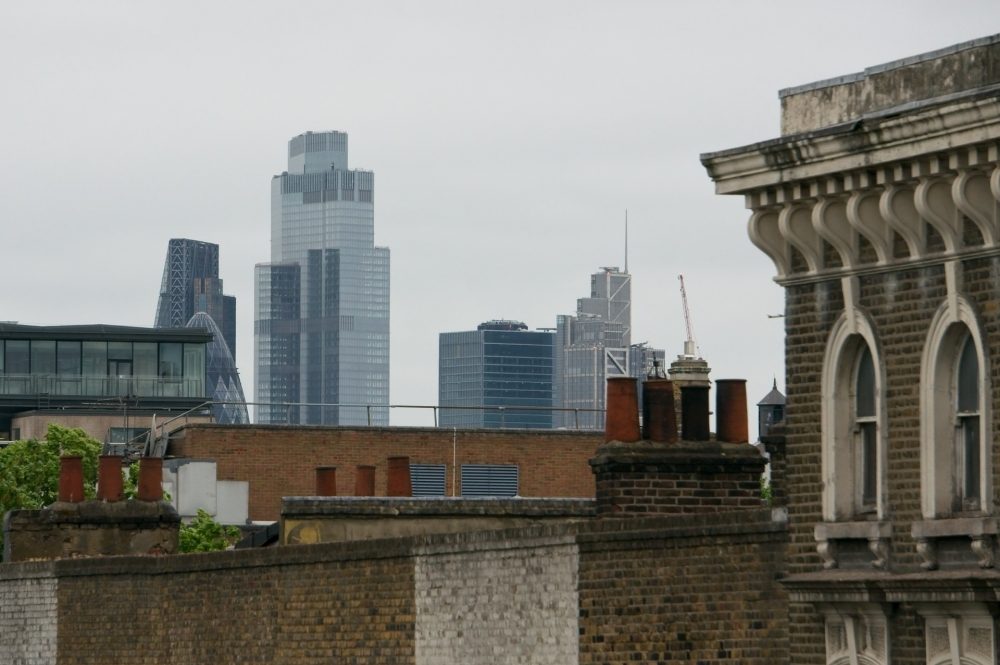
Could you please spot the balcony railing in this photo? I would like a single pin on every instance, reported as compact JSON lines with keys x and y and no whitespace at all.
{"x":100,"y":386}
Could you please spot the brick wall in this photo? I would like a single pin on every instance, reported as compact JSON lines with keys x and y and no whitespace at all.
{"x":901,"y":304}
{"x":28,"y":617}
{"x":516,"y":605}
{"x":281,"y":461}
{"x":297,"y":605}
{"x":683,"y":589}
{"x":645,"y":479}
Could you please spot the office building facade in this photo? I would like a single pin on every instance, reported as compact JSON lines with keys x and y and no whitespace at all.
{"x":592,"y":346}
{"x":321,"y":314}
{"x":191,"y":284}
{"x":499,"y":374}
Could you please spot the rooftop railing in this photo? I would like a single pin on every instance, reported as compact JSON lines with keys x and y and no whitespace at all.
{"x":30,"y":385}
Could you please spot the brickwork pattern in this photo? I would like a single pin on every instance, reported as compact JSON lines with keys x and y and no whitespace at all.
{"x":648,"y":479}
{"x":515,"y":605}
{"x":28,"y":620}
{"x":705,"y":591}
{"x":289,"y":605}
{"x":901,"y":305}
{"x":281,"y":461}
{"x":682,"y":589}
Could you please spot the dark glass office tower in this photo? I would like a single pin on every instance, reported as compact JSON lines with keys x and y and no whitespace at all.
{"x":321,"y":324}
{"x":223,"y":383}
{"x":191,"y":284}
{"x":493,"y":370}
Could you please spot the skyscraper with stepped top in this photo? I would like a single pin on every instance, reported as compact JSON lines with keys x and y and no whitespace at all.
{"x":321,"y":311}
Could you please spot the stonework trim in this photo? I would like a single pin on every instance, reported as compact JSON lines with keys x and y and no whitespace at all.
{"x":856,"y":633}
{"x":958,"y":633}
{"x":956,"y":316}
{"x":841,"y":494}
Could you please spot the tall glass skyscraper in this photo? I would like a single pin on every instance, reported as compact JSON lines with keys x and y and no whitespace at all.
{"x":492,"y":370}
{"x":191,"y":284}
{"x":191,"y":295}
{"x":321,"y":315}
{"x":592,"y":346}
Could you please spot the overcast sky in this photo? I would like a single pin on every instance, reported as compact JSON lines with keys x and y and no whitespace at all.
{"x":507,"y":141}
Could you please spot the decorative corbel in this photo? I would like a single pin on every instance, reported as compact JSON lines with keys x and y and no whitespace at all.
{"x":898,"y":210}
{"x":765,"y":234}
{"x":829,"y":219}
{"x":795,"y":224}
{"x":971,"y":193}
{"x":933,"y":201}
{"x":864,"y":215}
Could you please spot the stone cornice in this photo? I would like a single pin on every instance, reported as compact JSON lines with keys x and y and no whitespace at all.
{"x":874,"y":140}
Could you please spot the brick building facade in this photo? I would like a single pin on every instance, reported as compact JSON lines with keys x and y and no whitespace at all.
{"x":280,"y":461}
{"x":880,"y":207}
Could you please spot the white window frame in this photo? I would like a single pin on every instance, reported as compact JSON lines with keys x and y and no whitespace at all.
{"x":841,"y":461}
{"x":941,"y":448}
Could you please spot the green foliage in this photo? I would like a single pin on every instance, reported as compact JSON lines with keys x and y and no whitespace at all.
{"x":29,"y":469}
{"x":203,"y":534}
{"x":766,"y":492}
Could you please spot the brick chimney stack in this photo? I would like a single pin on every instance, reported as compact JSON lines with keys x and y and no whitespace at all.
{"x":644,"y":478}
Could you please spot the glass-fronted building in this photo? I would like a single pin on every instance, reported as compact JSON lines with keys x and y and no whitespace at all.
{"x":492,"y":373}
{"x":590,"y":347}
{"x":321,"y":324}
{"x":100,"y":367}
{"x":223,"y":381}
{"x":191,"y":284}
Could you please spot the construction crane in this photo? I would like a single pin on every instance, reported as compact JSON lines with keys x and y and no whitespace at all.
{"x":690,"y":348}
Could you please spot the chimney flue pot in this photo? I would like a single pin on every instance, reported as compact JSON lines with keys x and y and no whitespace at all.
{"x":621,"y":422}
{"x":694,"y":413}
{"x":659,"y":419}
{"x":71,"y":478}
{"x":150,"y":479}
{"x":731,"y":411}
{"x":109,"y":478}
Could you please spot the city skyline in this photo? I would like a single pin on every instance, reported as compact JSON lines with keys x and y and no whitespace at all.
{"x":507,"y":151}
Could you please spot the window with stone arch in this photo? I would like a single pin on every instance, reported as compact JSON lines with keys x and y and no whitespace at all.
{"x":853,"y":422}
{"x":955,"y":390}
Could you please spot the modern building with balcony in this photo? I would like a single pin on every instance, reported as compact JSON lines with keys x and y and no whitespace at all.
{"x":110,"y":381}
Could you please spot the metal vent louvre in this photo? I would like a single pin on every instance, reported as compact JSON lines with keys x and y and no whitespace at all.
{"x":499,"y":480}
{"x":427,"y":479}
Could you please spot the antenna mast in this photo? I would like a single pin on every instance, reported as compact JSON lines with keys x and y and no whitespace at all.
{"x":626,"y":239}
{"x":689,"y":343}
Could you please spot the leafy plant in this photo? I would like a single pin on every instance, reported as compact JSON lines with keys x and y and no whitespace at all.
{"x":204,"y":534}
{"x":766,"y":491}
{"x":29,"y":469}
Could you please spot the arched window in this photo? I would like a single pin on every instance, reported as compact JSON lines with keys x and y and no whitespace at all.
{"x":866,"y":431}
{"x":955,"y":388}
{"x":967,"y":453}
{"x":853,"y":429}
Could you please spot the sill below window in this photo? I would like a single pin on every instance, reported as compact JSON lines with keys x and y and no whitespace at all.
{"x":877,"y":534}
{"x":980,"y":530}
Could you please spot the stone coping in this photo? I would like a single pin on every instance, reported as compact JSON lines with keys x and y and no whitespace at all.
{"x":343,"y":506}
{"x":685,"y":455}
{"x":889,"y":66}
{"x":592,"y":535}
{"x":93,"y":512}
